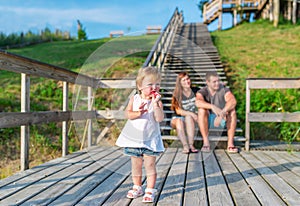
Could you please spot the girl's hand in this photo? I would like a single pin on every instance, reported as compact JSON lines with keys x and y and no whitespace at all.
{"x":155,"y":96}
{"x":142,"y":109}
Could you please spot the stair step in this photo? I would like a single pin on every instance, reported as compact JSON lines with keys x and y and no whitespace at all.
{"x":211,"y":138}
{"x":167,"y":127}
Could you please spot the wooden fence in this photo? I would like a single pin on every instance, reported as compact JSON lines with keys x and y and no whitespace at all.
{"x":268,"y":83}
{"x":27,"y":67}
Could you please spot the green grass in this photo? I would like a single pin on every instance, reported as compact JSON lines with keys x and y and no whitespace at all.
{"x":249,"y":50}
{"x":260,"y":50}
{"x":45,"y":94}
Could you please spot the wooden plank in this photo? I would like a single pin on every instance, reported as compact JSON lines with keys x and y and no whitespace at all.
{"x":118,"y":197}
{"x":273,"y":83}
{"x":261,"y":189}
{"x":274,"y":117}
{"x":65,"y":179}
{"x":116,"y":84}
{"x":19,"y":64}
{"x":211,"y":138}
{"x":25,"y":130}
{"x":8,"y":194}
{"x":110,"y":114}
{"x":195,"y":189}
{"x":106,"y":168}
{"x":21,"y":175}
{"x":163,"y":166}
{"x":14,"y":119}
{"x":288,"y":161}
{"x":284,"y":190}
{"x":216,"y":186}
{"x":281,"y":170}
{"x":102,"y":192}
{"x":241,"y":193}
{"x":173,"y":189}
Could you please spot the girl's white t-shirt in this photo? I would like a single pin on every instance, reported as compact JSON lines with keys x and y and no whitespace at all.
{"x":143,"y":132}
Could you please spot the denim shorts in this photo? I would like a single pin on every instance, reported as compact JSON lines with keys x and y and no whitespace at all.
{"x":139,"y":152}
{"x":179,"y":117}
{"x":211,"y":120}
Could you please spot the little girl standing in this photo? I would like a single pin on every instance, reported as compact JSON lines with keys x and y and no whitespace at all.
{"x":141,"y":137}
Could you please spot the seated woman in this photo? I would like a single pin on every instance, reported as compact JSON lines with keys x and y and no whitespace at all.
{"x":183,"y":103}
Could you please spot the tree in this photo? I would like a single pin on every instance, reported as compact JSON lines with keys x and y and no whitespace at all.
{"x":81,"y":34}
{"x":201,"y":5}
{"x":276,"y":12}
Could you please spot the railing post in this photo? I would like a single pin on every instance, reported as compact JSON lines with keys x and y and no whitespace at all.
{"x":90,"y":106}
{"x":204,"y":13}
{"x":25,"y":129}
{"x":294,"y":15}
{"x":65,"y":139}
{"x":247,"y":129}
{"x":220,"y":14}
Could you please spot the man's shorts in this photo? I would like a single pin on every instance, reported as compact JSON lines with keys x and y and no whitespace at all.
{"x":139,"y":152}
{"x":211,"y":120}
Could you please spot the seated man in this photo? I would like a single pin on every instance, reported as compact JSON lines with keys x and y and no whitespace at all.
{"x":216,"y":108}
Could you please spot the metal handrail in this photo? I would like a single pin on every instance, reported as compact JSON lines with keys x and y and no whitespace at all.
{"x":158,"y":52}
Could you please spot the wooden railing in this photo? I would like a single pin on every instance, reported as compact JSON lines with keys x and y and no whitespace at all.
{"x":159,"y":51}
{"x":27,"y":67}
{"x":268,"y":83}
{"x":214,"y":8}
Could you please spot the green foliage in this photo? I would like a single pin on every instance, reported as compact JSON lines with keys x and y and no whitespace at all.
{"x":201,"y":5}
{"x":20,"y":39}
{"x":81,"y":34}
{"x":264,"y":52}
{"x":46,"y":94}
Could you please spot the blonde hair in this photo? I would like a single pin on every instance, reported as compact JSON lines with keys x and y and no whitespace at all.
{"x":146,"y":71}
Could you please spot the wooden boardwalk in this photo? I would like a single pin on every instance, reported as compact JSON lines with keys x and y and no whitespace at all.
{"x":101,"y":176}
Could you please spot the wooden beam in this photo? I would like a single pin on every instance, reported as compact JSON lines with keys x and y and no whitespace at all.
{"x":15,"y":119}
{"x":25,"y":130}
{"x":274,"y":83}
{"x":274,"y":117}
{"x":116,"y":84}
{"x":65,"y":139}
{"x":19,"y":64}
{"x":110,"y":114}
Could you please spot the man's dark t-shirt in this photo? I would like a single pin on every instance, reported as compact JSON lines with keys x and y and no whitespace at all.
{"x":219,"y":97}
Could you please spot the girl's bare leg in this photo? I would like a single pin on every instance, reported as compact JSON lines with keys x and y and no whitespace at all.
{"x":149,"y":163}
{"x":136,"y":169}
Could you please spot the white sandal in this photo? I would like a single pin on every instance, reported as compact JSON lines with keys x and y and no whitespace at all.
{"x":150,"y":194}
{"x":135,"y":192}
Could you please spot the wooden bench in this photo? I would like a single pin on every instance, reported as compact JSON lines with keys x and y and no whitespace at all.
{"x":153,"y":29}
{"x":116,"y":33}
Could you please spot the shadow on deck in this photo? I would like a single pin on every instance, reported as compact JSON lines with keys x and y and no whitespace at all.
{"x":101,"y":176}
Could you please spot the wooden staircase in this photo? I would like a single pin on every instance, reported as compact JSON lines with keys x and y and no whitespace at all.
{"x":192,"y":51}
{"x":214,"y":9}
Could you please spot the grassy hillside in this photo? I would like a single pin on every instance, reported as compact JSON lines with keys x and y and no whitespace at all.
{"x":45,"y":140}
{"x":249,"y":50}
{"x":260,"y":50}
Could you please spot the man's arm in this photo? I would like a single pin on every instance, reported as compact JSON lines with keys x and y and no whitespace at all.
{"x":230,"y":102}
{"x":201,"y":103}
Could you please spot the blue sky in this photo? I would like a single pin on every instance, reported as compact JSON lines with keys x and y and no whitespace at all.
{"x":98,"y":17}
